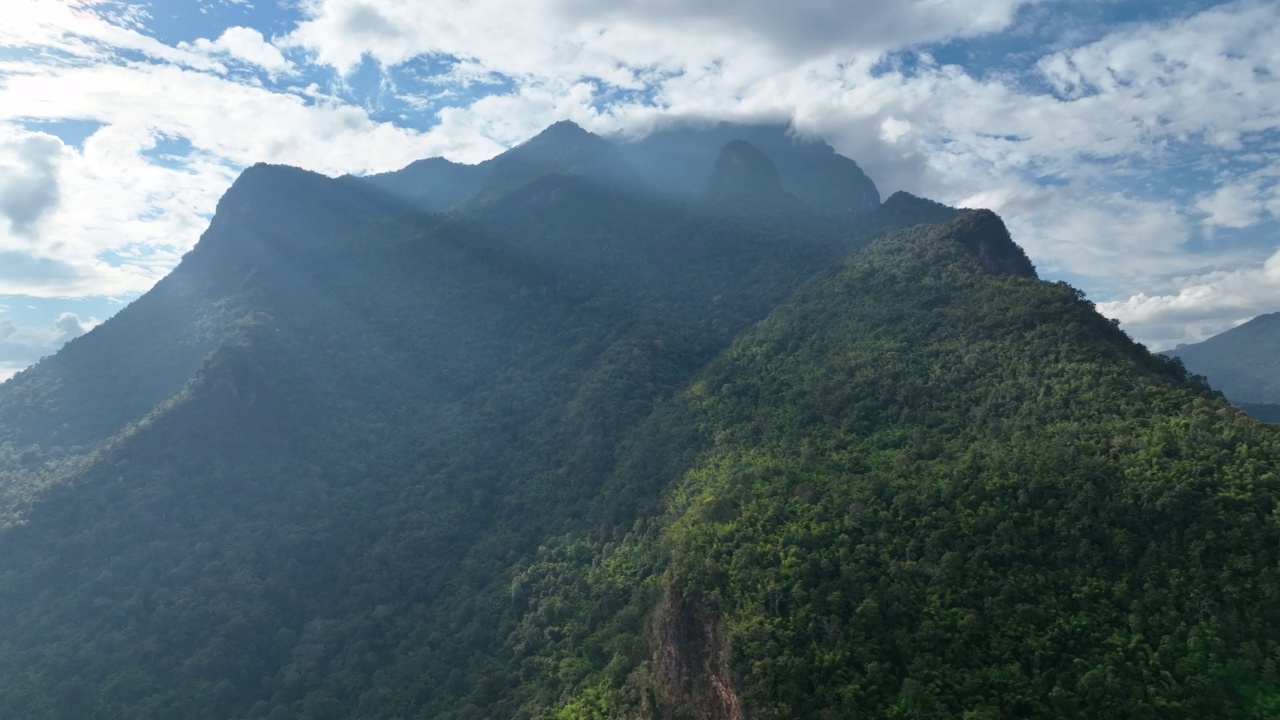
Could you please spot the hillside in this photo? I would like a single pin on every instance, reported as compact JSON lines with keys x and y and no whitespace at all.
{"x":583,"y":447}
{"x":979,"y":500}
{"x":1243,"y":362}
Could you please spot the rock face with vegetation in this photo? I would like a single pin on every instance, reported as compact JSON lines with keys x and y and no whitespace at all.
{"x":545,"y":438}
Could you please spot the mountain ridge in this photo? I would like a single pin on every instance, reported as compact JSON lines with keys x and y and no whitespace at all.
{"x":674,"y":161}
{"x":578,"y":448}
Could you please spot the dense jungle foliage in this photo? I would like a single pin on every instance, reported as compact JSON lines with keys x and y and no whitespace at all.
{"x":980,"y":500}
{"x":581,"y":449}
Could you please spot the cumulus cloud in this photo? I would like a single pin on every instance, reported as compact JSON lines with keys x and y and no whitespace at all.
{"x":1201,"y":305}
{"x":122,"y":203}
{"x":123,"y":223}
{"x":21,"y":272}
{"x":21,"y":345}
{"x":28,"y":178}
{"x":69,"y":326}
{"x":594,"y":37}
{"x":1232,"y":206}
{"x":244,"y":44}
{"x":814,"y":27}
{"x":76,"y":29}
{"x":9,"y":368}
{"x":1079,"y":230}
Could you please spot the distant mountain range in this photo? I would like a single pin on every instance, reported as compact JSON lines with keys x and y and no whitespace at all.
{"x":1244,"y":363}
{"x":690,"y":427}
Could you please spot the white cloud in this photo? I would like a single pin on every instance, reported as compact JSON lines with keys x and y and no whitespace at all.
{"x":617,"y":41}
{"x":21,"y":345}
{"x":811,"y":27}
{"x":1204,"y":305}
{"x":239,"y":122}
{"x":70,"y":326}
{"x":1084,"y":231}
{"x":121,"y":201}
{"x":1233,"y":206}
{"x":75,"y":28}
{"x":9,"y":368}
{"x":28,"y":178}
{"x":115,"y":199}
{"x":244,"y":44}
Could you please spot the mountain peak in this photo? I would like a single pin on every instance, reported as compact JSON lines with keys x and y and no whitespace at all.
{"x":565,"y":128}
{"x":678,"y":157}
{"x":431,"y":184}
{"x":984,"y":234}
{"x":566,"y":134}
{"x":904,"y":203}
{"x":562,"y":149}
{"x":743,"y":172}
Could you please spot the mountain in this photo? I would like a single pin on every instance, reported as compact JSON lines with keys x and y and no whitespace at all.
{"x":674,"y":162}
{"x":904,"y":208}
{"x":744,"y":182}
{"x":1265,"y":413}
{"x":432,"y":184}
{"x":972,"y":500}
{"x":676,"y":158}
{"x":562,"y":149}
{"x":583,"y":448}
{"x":1244,"y":362}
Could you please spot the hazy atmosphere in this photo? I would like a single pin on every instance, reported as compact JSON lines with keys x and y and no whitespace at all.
{"x":639,"y":360}
{"x":1131,"y":146}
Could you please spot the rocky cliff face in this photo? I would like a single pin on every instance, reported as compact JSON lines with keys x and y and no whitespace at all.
{"x":692,"y":662}
{"x":983,"y":233}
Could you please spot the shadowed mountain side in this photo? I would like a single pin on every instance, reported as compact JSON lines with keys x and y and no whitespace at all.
{"x":476,"y":372}
{"x":562,"y":149}
{"x":744,"y":183}
{"x":106,"y":379}
{"x":433,"y":184}
{"x":743,"y":173}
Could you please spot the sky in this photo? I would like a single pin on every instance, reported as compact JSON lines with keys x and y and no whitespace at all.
{"x":1133,"y":147}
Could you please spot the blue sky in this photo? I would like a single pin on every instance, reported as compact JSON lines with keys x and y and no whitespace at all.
{"x":1131,"y":146}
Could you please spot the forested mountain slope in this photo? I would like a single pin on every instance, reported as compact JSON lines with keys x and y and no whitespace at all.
{"x":581,"y":448}
{"x":927,"y":490}
{"x":1243,"y":362}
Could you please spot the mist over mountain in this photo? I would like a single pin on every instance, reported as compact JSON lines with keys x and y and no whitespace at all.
{"x":674,"y":161}
{"x":689,"y":426}
{"x":678,"y":157}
